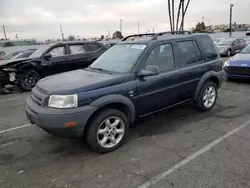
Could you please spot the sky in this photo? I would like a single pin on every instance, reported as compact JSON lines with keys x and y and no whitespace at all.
{"x":41,"y":19}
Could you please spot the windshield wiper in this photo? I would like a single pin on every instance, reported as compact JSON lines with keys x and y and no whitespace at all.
{"x":100,"y":69}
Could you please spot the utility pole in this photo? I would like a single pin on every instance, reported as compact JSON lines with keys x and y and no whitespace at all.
{"x":4,"y":33}
{"x":138,"y":27}
{"x":61,"y":32}
{"x":121,"y":25}
{"x":230,"y":24}
{"x":203,"y":19}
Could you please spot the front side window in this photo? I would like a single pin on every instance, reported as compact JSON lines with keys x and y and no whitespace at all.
{"x":162,"y":57}
{"x":120,"y":58}
{"x":186,"y":53}
{"x":76,"y":49}
{"x":57,"y":51}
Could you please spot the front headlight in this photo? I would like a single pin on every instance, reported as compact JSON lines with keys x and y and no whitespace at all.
{"x":225,"y":64}
{"x":63,"y":101}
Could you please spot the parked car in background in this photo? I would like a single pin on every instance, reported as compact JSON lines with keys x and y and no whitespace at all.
{"x":49,"y":60}
{"x":230,"y":46}
{"x":2,"y":53}
{"x":247,"y":39}
{"x":132,"y":79}
{"x":24,"y":54}
{"x":239,"y":65}
{"x":109,"y":44}
{"x":217,"y":40}
{"x":10,"y":55}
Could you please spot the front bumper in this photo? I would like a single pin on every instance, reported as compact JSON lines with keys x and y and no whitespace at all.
{"x":4,"y":79}
{"x":229,"y":74}
{"x":53,"y":120}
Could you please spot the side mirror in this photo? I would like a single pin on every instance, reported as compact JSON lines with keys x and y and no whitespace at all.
{"x":150,"y":70}
{"x":47,"y":56}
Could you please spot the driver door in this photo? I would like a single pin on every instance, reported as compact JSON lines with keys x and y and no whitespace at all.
{"x":57,"y":63}
{"x":160,"y":91}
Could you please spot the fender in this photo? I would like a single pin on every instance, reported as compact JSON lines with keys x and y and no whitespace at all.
{"x":28,"y":65}
{"x":115,"y":98}
{"x":205,"y":77}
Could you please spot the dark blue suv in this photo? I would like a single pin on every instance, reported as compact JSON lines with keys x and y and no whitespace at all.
{"x":141,"y":75}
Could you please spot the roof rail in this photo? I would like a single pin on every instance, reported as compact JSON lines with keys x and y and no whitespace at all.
{"x":138,"y":35}
{"x":169,"y":32}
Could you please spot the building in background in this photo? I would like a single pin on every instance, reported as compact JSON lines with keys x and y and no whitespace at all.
{"x":22,"y":42}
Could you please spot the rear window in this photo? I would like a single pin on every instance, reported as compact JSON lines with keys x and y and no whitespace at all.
{"x":93,"y":46}
{"x":208,"y":48}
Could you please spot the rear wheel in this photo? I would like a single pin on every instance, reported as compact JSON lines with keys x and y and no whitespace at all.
{"x":207,"y":96}
{"x":28,"y":80}
{"x":107,"y":130}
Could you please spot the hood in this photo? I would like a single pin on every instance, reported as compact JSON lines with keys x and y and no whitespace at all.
{"x":77,"y":81}
{"x":240,"y":60}
{"x":6,"y":62}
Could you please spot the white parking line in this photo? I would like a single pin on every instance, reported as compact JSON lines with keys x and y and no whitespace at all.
{"x":166,"y":173}
{"x":15,"y":128}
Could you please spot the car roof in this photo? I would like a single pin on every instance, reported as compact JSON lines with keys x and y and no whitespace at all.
{"x":147,"y":39}
{"x":76,"y":42}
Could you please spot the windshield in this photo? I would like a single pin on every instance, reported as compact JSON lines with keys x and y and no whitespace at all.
{"x":246,"y":50}
{"x":39,"y":52}
{"x":120,"y":58}
{"x":225,"y":42}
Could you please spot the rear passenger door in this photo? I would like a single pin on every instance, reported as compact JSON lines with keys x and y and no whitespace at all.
{"x":191,"y":65}
{"x":160,"y":91}
{"x":78,"y":56}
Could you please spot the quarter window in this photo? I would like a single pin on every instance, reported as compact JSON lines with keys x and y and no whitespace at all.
{"x":58,"y":51}
{"x":162,"y":57}
{"x":76,"y":49}
{"x":208,"y":48}
{"x":186,"y":53}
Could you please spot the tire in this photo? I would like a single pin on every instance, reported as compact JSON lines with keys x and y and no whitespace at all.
{"x":28,"y":79}
{"x":229,"y":53}
{"x":100,"y":133}
{"x":201,"y":102}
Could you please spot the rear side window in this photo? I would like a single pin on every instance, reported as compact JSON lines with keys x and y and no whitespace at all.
{"x":76,"y":49}
{"x":186,"y":53}
{"x":93,"y":46}
{"x":198,"y":52}
{"x":208,"y":48}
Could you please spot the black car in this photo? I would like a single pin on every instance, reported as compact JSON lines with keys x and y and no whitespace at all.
{"x":49,"y":60}
{"x":132,"y":79}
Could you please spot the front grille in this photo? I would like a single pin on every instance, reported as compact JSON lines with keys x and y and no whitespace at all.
{"x":37,"y":96}
{"x":239,"y":70}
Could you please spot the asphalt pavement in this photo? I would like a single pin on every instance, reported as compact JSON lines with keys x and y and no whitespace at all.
{"x":176,"y":148}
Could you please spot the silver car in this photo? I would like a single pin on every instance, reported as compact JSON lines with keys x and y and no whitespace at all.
{"x":230,"y":46}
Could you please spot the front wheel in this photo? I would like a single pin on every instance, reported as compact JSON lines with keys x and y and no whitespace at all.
{"x":28,"y":79}
{"x":229,"y":53}
{"x":207,"y":96}
{"x":107,"y":130}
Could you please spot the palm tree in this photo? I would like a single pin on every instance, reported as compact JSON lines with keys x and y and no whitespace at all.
{"x":170,"y":17}
{"x":178,"y":14}
{"x":173,"y":14}
{"x":183,"y":16}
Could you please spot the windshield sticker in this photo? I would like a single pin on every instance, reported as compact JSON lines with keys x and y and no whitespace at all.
{"x":139,"y":46}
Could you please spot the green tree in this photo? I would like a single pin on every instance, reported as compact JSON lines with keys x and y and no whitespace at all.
{"x":200,"y":28}
{"x":8,"y":44}
{"x":71,"y":38}
{"x":117,"y":35}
